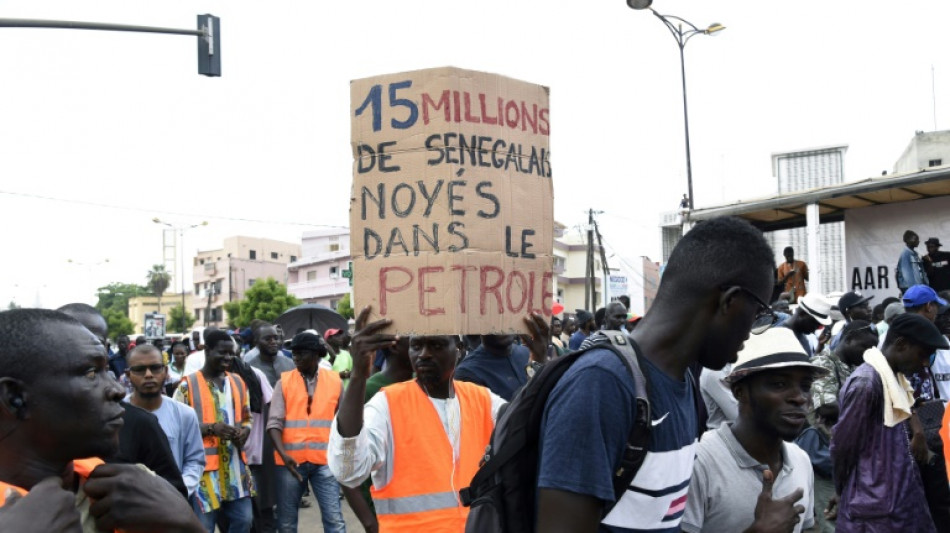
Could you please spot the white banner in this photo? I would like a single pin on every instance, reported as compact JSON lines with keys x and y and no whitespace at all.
{"x":874,"y":241}
{"x":617,"y":286}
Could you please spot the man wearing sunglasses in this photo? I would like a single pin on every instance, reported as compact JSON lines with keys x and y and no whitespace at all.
{"x":147,"y":374}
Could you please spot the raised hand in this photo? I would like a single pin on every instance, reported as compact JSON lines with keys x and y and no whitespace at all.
{"x":538,"y":337}
{"x":367,"y":339}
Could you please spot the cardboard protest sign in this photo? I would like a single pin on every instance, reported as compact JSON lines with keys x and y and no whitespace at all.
{"x":451,"y":211}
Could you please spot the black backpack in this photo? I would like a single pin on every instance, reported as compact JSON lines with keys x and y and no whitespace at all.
{"x":502,"y":495}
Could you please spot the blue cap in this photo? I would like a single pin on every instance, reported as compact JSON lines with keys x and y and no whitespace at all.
{"x":919,"y":295}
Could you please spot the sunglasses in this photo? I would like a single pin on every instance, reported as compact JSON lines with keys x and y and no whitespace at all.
{"x":765,"y":317}
{"x":139,"y":370}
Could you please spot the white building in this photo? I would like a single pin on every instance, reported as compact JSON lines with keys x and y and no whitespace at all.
{"x":317,"y":277}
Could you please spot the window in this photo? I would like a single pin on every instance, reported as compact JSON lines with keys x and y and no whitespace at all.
{"x":334,"y":247}
{"x":217,"y":286}
{"x":935,"y":163}
{"x":197,"y":314}
{"x":250,"y":282}
{"x":293,"y":259}
{"x":273,"y":255}
{"x":215,"y":314}
{"x":312,"y":275}
{"x":197,"y":288}
{"x":253,"y":254}
{"x":334,"y":272}
{"x":201,"y":261}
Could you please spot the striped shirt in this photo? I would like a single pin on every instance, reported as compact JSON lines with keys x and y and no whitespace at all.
{"x":232,"y":480}
{"x":587,"y":420}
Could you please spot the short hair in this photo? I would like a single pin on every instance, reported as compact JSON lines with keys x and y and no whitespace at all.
{"x":214,"y":336}
{"x":142,"y":348}
{"x":856,"y":328}
{"x":179,"y":343}
{"x":787,"y":250}
{"x":257,"y":326}
{"x":908,"y":234}
{"x":24,"y":341}
{"x":716,"y":253}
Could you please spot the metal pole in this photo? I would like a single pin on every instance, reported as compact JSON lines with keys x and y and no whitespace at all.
{"x":75,"y":25}
{"x":689,"y":163}
{"x":181,"y":262}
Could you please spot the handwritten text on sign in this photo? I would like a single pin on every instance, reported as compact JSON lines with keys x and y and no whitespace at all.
{"x":452,"y":206}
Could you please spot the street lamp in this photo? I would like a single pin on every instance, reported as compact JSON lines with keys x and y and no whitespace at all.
{"x":181,"y":259}
{"x":682,"y":37}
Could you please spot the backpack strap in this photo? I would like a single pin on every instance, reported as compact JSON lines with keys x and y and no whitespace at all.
{"x":635,"y":450}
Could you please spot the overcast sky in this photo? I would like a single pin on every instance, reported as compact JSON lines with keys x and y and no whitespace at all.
{"x":100,"y":132}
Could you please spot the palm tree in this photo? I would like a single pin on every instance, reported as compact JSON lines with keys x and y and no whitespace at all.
{"x":158,"y":281}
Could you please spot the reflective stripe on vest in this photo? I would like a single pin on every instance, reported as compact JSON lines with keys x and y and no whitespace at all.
{"x":82,"y":468}
{"x":305,"y":436}
{"x":417,"y":504}
{"x":421,"y":494}
{"x":199,"y":397}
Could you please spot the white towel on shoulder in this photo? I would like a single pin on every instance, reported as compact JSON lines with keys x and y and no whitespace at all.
{"x":898,"y":394}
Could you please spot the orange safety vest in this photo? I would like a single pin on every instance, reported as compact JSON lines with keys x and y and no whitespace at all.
{"x":422,"y":494}
{"x":945,"y":435}
{"x":306,"y":436}
{"x":199,"y":398}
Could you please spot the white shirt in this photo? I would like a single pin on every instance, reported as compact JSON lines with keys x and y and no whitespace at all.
{"x":941,"y":372}
{"x":352,"y":460}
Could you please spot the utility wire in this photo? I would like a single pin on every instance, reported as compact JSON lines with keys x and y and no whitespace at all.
{"x":164,"y":212}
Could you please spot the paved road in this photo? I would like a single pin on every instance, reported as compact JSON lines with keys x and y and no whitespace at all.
{"x":308,"y":521}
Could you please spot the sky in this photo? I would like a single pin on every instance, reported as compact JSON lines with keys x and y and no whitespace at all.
{"x":101,"y":132}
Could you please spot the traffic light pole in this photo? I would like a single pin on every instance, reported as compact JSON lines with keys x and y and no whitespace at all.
{"x":208,"y":33}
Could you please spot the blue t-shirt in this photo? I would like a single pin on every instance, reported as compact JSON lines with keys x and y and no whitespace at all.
{"x":586,"y":422}
{"x":574,"y":343}
{"x":501,"y":375}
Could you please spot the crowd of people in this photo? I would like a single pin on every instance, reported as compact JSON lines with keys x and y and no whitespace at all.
{"x":812,"y":412}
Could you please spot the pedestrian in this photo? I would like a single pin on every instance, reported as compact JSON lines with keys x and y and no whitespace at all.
{"x":179,"y":422}
{"x":705,"y":307}
{"x":59,"y":414}
{"x":339,"y":340}
{"x":221,"y":401}
{"x":937,"y":265}
{"x":910,"y":269}
{"x":498,"y":364}
{"x":875,"y":473}
{"x":615,"y":316}
{"x":421,"y":441}
{"x":305,"y":402}
{"x":792,"y":275}
{"x":813,"y":311}
{"x":585,"y":326}
{"x":852,"y":306}
{"x":746,"y":476}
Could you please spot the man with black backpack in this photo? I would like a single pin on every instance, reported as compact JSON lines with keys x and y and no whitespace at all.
{"x":711,"y":295}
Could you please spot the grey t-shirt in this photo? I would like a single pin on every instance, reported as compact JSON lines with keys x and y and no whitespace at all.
{"x":727,"y":481}
{"x":721,"y":405}
{"x":273,"y":370}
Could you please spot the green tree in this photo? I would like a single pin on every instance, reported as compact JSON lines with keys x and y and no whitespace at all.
{"x":266,"y":300}
{"x":12,"y":305}
{"x":116,"y":296}
{"x":118,"y":323}
{"x":175,"y":321}
{"x":158,"y":281}
{"x":233,"y":311}
{"x":344,"y":307}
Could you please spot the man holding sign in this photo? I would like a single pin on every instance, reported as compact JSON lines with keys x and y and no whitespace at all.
{"x":420,"y":440}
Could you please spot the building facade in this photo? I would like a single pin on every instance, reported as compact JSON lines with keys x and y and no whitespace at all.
{"x":318,"y":276}
{"x":224,"y":275}
{"x":140,"y":305}
{"x":926,"y":150}
{"x":800,"y":171}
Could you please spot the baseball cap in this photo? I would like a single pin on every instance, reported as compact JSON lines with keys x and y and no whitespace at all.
{"x":921,"y":295}
{"x":817,"y":306}
{"x":774,"y":349}
{"x":893,"y":310}
{"x":307,"y":341}
{"x":330,"y":332}
{"x":851,"y":299}
{"x":918,"y":329}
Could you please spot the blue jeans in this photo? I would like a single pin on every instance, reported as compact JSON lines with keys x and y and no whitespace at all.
{"x":238,"y":513}
{"x":325,"y":488}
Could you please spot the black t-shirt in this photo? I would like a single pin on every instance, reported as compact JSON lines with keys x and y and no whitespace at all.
{"x":938,"y":270}
{"x":142,"y":440}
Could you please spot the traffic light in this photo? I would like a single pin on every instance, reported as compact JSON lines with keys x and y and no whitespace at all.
{"x":209,"y":46}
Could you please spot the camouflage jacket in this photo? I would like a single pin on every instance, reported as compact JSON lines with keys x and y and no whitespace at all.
{"x":825,"y":389}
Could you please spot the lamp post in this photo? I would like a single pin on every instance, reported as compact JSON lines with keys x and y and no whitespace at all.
{"x":181,"y":259}
{"x":682,"y":37}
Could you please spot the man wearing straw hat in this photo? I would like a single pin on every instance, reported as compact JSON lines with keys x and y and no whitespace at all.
{"x":746,"y":476}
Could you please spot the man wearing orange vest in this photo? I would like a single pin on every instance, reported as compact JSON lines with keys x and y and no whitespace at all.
{"x":221,"y":401}
{"x":303,"y":406}
{"x":421,"y":440}
{"x":59,"y":410}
